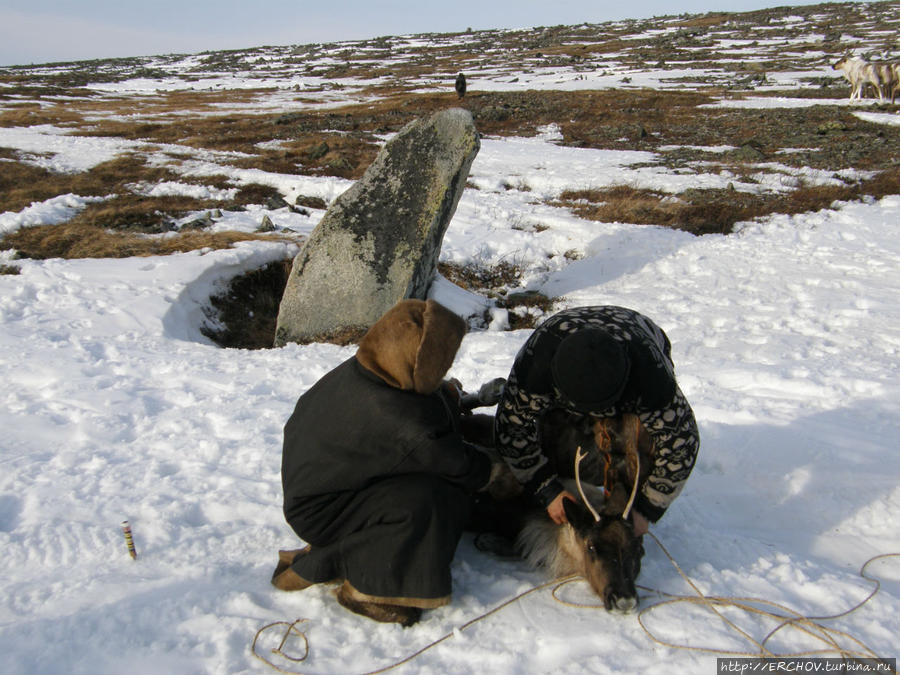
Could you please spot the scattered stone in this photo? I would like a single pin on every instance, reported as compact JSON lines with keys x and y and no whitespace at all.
{"x":339,"y":163}
{"x":275,"y":202}
{"x":749,"y":151}
{"x":201,"y":223}
{"x":379,"y":241}
{"x":311,"y":202}
{"x":830,"y":126}
{"x":289,"y":118}
{"x":494,"y":113}
{"x":318,"y":151}
{"x":266,"y":225}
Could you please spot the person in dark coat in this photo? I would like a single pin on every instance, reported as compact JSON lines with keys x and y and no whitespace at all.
{"x":460,"y":85}
{"x":376,"y":476}
{"x":597,"y":362}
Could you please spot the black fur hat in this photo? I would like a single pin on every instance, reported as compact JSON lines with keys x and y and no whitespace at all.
{"x":590,"y":369}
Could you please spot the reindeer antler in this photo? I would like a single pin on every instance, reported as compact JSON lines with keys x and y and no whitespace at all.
{"x":637,"y":478}
{"x":579,"y":455}
{"x":632,"y":431}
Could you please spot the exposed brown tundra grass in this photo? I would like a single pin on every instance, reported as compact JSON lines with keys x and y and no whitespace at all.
{"x":22,"y":183}
{"x":78,"y":240}
{"x":342,"y":140}
{"x":715,"y":211}
{"x":114,"y":227}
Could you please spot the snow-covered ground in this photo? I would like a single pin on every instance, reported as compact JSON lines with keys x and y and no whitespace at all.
{"x":786,"y":339}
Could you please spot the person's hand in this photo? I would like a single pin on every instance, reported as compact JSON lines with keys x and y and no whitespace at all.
{"x":454,"y":388}
{"x":555,"y":508}
{"x":641,"y":525}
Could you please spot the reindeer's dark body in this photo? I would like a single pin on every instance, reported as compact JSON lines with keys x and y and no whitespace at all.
{"x":605,"y":551}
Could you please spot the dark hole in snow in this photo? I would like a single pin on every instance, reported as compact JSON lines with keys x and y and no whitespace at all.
{"x":244,"y":316}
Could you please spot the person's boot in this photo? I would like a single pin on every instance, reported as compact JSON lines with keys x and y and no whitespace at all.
{"x":284,"y":577}
{"x":496,"y":544}
{"x":405,"y":616}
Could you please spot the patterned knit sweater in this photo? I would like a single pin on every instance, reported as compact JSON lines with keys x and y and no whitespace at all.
{"x":651,"y":393}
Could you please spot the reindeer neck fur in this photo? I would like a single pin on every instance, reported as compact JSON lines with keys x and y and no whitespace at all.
{"x":555,"y":548}
{"x":544,"y":544}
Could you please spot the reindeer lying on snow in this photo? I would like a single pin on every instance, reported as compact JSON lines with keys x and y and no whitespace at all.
{"x":884,"y":77}
{"x":607,"y":459}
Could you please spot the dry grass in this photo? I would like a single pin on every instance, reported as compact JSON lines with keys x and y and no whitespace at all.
{"x":348,"y":130}
{"x":705,"y":21}
{"x":341,"y":141}
{"x":30,"y":114}
{"x":347,"y":155}
{"x":526,"y":309}
{"x":21,"y":183}
{"x":135,"y":213}
{"x":112,"y":228}
{"x":331,"y":154}
{"x":79,"y":240}
{"x":716,"y":211}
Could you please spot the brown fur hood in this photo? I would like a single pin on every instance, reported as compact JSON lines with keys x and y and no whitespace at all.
{"x":413,"y":345}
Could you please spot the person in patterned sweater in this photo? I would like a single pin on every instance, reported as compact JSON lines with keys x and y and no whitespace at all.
{"x":598,"y":361}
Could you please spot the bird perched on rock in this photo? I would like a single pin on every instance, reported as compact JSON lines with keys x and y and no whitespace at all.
{"x":461,"y":85}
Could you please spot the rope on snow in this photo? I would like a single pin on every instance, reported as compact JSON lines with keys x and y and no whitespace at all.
{"x":785,"y":617}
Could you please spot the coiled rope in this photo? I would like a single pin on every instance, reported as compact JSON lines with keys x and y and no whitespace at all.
{"x":785,"y":617}
{"x":305,"y":641}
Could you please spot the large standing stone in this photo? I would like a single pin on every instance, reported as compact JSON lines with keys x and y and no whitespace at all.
{"x":379,"y":241}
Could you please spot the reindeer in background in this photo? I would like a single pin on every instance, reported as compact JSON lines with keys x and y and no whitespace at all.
{"x":883,"y":77}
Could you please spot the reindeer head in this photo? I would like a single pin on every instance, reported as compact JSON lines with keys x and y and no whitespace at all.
{"x":847,"y":62}
{"x":599,"y":545}
{"x":609,"y":551}
{"x":610,"y":555}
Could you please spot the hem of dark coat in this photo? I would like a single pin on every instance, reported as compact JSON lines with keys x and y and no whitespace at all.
{"x":421,"y":603}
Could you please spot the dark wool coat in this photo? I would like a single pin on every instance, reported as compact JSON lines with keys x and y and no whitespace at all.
{"x":378,"y":480}
{"x":650,"y":392}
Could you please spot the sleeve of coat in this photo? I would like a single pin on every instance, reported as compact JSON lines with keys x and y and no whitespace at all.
{"x":518,"y":440}
{"x":451,"y":458}
{"x":677,"y":442}
{"x":435,"y":445}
